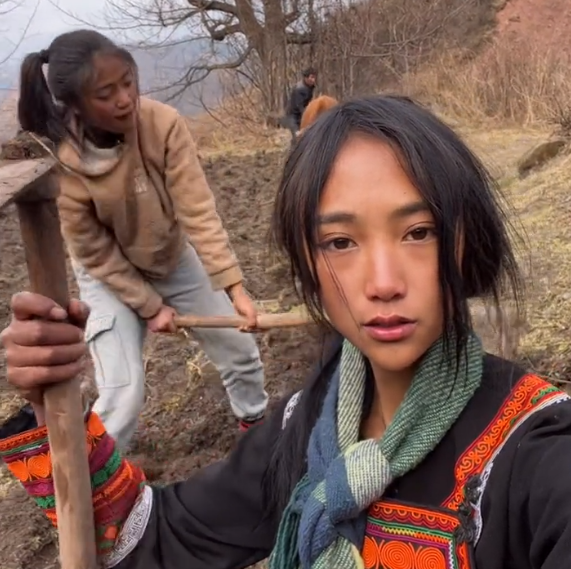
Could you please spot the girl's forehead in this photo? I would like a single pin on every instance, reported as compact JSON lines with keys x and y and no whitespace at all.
{"x":367,"y":173}
{"x":107,"y":69}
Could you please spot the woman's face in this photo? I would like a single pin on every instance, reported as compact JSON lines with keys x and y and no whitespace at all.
{"x":377,"y":257}
{"x":110,"y":99}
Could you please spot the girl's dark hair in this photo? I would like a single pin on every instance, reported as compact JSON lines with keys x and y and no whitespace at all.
{"x":464,"y":202}
{"x":45,"y":107}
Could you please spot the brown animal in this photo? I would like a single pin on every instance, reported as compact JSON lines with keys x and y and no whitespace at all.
{"x":315,"y":108}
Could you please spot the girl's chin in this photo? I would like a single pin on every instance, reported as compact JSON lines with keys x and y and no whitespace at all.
{"x":393,"y":357}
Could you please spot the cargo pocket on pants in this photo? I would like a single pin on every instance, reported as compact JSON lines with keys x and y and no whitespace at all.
{"x":108,"y":353}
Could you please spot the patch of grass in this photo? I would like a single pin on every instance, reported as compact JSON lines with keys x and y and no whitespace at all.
{"x":542,"y":206}
{"x":223,"y":134}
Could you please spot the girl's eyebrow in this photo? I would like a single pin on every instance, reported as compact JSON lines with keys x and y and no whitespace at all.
{"x":346,"y":217}
{"x":336,"y":217}
{"x":410,"y":209}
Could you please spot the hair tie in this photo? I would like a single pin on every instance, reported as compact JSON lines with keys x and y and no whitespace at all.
{"x":44,"y":56}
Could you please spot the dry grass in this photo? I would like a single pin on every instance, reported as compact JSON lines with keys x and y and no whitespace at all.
{"x":543,"y":202}
{"x":542,"y":206}
{"x":236,"y":127}
{"x":518,"y":83}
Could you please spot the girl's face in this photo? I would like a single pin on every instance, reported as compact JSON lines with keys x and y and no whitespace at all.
{"x":110,"y":99}
{"x":377,"y":257}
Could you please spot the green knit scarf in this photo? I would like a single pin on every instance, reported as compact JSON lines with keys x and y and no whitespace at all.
{"x":322,"y":528}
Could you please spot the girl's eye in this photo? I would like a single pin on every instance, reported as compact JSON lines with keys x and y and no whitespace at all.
{"x":338,"y":244}
{"x":420,"y":234}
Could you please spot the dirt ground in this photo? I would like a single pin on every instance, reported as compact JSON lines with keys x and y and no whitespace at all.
{"x":187,"y":422}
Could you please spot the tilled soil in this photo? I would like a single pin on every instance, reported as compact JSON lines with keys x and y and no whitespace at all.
{"x":187,"y":421}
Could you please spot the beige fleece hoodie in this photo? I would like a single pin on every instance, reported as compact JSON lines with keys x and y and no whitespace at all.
{"x":127,"y":212}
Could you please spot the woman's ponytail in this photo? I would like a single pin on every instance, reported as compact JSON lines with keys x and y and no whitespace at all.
{"x":37,"y":110}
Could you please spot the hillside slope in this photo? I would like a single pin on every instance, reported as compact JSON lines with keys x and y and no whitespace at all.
{"x":542,"y":23}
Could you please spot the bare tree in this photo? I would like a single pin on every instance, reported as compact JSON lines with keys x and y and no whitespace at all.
{"x":358,"y":46}
{"x":242,"y":34}
{"x":367,"y":46}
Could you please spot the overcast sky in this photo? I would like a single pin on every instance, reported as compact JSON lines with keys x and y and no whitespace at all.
{"x":46,"y":24}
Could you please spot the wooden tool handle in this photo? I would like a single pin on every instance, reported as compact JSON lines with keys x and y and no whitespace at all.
{"x":45,"y":257}
{"x":265,"y":321}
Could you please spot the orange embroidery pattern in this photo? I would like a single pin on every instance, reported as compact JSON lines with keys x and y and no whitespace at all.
{"x":529,"y":392}
{"x":116,"y":484}
{"x":400,"y":536}
{"x":27,"y":455}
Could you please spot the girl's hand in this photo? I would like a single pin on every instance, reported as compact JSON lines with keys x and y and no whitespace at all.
{"x":244,"y":306}
{"x":163,"y":321}
{"x":41,"y":348}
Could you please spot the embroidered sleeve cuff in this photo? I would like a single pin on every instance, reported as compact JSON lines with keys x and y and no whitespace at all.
{"x":117,"y":485}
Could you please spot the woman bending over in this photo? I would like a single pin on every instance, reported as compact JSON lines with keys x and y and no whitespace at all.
{"x":409,"y":447}
{"x":139,"y":222}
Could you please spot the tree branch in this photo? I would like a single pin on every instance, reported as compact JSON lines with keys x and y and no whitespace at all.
{"x":220,"y":34}
{"x":213,"y":6}
{"x":199,"y":72}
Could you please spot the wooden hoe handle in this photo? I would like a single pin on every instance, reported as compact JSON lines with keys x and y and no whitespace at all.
{"x":265,"y":321}
{"x":45,"y":257}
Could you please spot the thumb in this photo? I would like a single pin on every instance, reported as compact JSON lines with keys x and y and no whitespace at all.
{"x":28,"y":305}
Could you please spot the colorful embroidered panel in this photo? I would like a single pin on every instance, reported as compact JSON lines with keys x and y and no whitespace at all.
{"x":400,"y":536}
{"x":115,"y":482}
{"x":529,"y":394}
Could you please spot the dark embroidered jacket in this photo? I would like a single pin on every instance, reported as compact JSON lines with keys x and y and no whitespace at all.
{"x":494,"y":494}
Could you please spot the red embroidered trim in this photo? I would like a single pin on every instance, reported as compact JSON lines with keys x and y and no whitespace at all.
{"x":529,"y":391}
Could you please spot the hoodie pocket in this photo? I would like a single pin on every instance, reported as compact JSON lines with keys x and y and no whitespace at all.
{"x":112,"y":369}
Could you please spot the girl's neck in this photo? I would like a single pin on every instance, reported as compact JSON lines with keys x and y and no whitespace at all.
{"x":389,"y":392}
{"x":103,"y":139}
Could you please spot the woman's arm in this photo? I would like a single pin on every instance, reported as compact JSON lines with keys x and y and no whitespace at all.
{"x":95,"y":248}
{"x":217,"y":518}
{"x":540,"y":492}
{"x":195,"y":208}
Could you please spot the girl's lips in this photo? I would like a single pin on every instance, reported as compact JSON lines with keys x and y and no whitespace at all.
{"x":124,"y":117}
{"x":392,"y":333}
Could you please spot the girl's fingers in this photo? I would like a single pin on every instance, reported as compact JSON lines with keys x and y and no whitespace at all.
{"x":23,"y":356}
{"x":26,"y":378}
{"x":28,"y":305}
{"x":41,"y":333}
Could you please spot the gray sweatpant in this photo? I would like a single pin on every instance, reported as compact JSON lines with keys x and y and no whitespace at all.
{"x":115,"y":336}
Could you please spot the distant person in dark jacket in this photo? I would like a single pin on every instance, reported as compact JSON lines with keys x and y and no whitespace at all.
{"x":299,"y":98}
